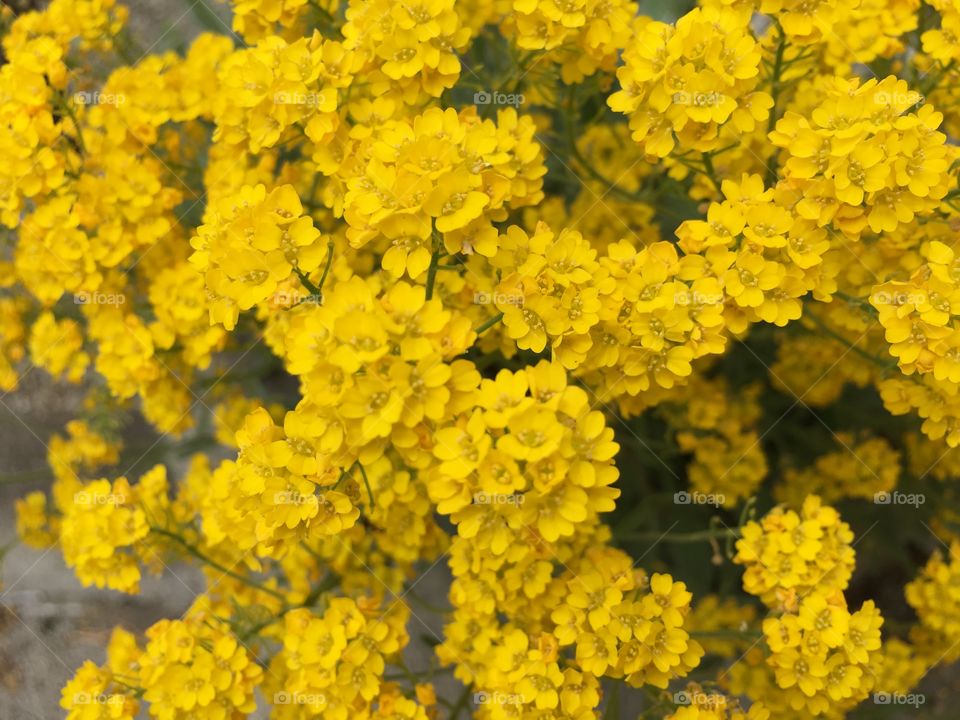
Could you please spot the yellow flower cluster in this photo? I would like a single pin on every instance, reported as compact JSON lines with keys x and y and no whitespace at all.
{"x":409,"y":49}
{"x":717,"y":428}
{"x":332,"y":666}
{"x":699,"y":704}
{"x":789,"y":554}
{"x":933,"y":595}
{"x":273,"y":87}
{"x":767,"y":257}
{"x":693,"y":84}
{"x":822,"y":653}
{"x":864,"y":469}
{"x":255,"y":242}
{"x":104,"y":523}
{"x":192,"y":667}
{"x":442,"y":175}
{"x":582,"y":36}
{"x":861,"y":159}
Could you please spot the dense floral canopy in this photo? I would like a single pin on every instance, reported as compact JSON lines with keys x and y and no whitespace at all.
{"x":515,"y":271}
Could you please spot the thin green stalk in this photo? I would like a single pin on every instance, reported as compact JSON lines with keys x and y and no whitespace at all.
{"x":305,"y":281}
{"x":416,"y":677}
{"x":613,"y":705}
{"x":434,"y":263}
{"x":726,"y":634}
{"x":366,"y":482}
{"x":81,"y":145}
{"x":326,"y":269}
{"x":775,"y":89}
{"x":486,"y":325}
{"x":328,"y":583}
{"x":830,"y":332}
{"x":200,"y":555}
{"x":709,"y":171}
{"x":692,"y":537}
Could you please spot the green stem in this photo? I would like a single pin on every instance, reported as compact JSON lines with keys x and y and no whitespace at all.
{"x":416,"y":677}
{"x":775,"y":96}
{"x":726,"y":634}
{"x":487,"y":324}
{"x":709,"y":171}
{"x":432,"y":270}
{"x":76,"y":124}
{"x":692,"y":537}
{"x":200,"y":555}
{"x":328,"y":583}
{"x":931,"y":85}
{"x":305,"y":281}
{"x":574,"y":152}
{"x":830,"y":332}
{"x":326,"y":269}
{"x":613,"y":706}
{"x":366,"y":482}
